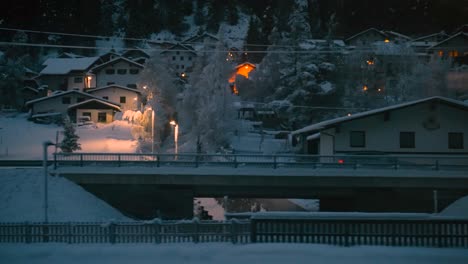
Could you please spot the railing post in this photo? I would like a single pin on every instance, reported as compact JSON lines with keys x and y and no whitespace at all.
{"x":197,"y":158}
{"x":69,"y":233}
{"x":233,"y":231}
{"x":118,"y":160}
{"x":55,"y":161}
{"x":437,"y":165}
{"x":111,"y":233}
{"x":196,"y":235}
{"x":81,"y":160}
{"x":253,"y":231}
{"x":346,"y":234}
{"x":27,"y":232}
{"x":235,"y":161}
{"x":274,"y":162}
{"x":158,"y":161}
{"x":45,"y":232}
{"x":157,"y":232}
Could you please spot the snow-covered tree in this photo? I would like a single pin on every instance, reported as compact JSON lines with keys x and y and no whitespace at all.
{"x":70,"y":138}
{"x":208,"y":112}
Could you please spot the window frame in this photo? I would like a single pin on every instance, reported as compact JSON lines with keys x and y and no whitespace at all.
{"x":121,"y":71}
{"x":452,"y":142}
{"x":411,"y":144}
{"x":110,"y":71}
{"x":353,"y":134}
{"x":123,"y":99}
{"x":133,"y":71}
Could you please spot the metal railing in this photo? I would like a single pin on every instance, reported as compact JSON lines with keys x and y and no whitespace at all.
{"x":336,"y":231}
{"x":133,"y":232}
{"x":393,"y":162}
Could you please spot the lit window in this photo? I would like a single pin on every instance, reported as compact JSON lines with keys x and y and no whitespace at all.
{"x":455,"y":140}
{"x":357,"y":139}
{"x":441,"y":53}
{"x":407,"y":140}
{"x":365,"y":88}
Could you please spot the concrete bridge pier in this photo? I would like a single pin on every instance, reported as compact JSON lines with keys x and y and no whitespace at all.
{"x":146,"y":201}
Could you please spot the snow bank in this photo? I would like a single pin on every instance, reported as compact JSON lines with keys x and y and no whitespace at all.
{"x":459,"y":208}
{"x":21,"y":199}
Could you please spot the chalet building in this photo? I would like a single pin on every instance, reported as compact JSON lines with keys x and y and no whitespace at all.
{"x":64,"y":74}
{"x":73,"y":103}
{"x":108,"y":56}
{"x":128,"y":98}
{"x":421,"y":44}
{"x":180,"y":58}
{"x":137,"y":55}
{"x":434,"y":125}
{"x":120,"y":71}
{"x":203,"y":41}
{"x":242,"y":69}
{"x":373,"y":35}
{"x":455,"y":47}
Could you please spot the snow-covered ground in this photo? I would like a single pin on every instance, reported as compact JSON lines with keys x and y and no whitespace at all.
{"x":22,"y":139}
{"x":226,"y":254}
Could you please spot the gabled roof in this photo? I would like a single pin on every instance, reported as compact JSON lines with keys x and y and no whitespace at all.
{"x":462,"y":34}
{"x":96,"y":101}
{"x":423,"y":38}
{"x":397,"y":35}
{"x":141,"y":51}
{"x":60,"y":94}
{"x":116,"y":60}
{"x":245,"y":64}
{"x":333,"y":122}
{"x":180,"y":47}
{"x":113,"y":86}
{"x":196,"y":39}
{"x":62,"y":66}
{"x":365,"y":31}
{"x":69,"y":55}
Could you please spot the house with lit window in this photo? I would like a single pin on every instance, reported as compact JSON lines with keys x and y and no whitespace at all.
{"x":372,"y":35}
{"x":128,"y":98}
{"x":455,"y":47}
{"x":119,"y":71}
{"x":64,"y":74}
{"x":180,"y":58}
{"x":421,"y":44}
{"x":243,"y":70}
{"x":73,"y":104}
{"x":434,"y":125}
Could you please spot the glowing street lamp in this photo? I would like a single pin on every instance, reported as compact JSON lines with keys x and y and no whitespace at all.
{"x":176,"y":136}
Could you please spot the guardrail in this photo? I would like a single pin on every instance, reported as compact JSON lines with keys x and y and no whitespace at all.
{"x":395,"y":162}
{"x":341,"y":231}
{"x":134,"y":232}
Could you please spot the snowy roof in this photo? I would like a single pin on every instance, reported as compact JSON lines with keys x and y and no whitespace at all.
{"x":59,"y":94}
{"x":314,"y":136}
{"x":181,"y":47}
{"x":116,"y":60}
{"x":30,"y":88}
{"x":61,"y":66}
{"x":113,"y":86}
{"x":96,"y":100}
{"x":332,"y":122}
{"x":450,"y":38}
{"x":194,"y":39}
{"x":397,"y":35}
{"x":141,"y":51}
{"x":365,"y":31}
{"x":69,"y":55}
{"x":338,"y":215}
{"x":423,"y":38}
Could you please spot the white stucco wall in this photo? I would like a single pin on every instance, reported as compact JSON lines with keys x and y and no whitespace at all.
{"x":186,"y":62}
{"x":385,"y":135}
{"x":55,"y":104}
{"x":102,"y":79}
{"x":114,"y":95}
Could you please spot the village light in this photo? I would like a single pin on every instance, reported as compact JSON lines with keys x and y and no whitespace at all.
{"x":379,"y":90}
{"x":176,"y":137}
{"x":386,"y":40}
{"x":365,"y":88}
{"x":145,"y":87}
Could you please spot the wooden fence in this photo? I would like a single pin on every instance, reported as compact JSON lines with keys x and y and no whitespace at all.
{"x":137,"y":232}
{"x":343,"y":232}
{"x":349,"y":232}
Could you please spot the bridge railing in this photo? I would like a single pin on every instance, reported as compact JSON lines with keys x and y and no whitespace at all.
{"x":432,"y":162}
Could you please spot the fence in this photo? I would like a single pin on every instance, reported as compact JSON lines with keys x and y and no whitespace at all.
{"x":157,"y":232}
{"x":431,"y":162}
{"x":343,"y":232}
{"x":349,"y":232}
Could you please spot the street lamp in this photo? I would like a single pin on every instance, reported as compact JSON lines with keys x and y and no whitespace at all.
{"x":176,"y":136}
{"x":45,"y":145}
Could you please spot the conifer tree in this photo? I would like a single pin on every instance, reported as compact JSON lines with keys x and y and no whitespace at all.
{"x":70,"y":140}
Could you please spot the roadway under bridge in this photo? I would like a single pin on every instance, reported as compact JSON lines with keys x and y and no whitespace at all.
{"x":167,"y":191}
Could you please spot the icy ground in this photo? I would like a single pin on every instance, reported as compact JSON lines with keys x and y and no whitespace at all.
{"x":226,"y":254}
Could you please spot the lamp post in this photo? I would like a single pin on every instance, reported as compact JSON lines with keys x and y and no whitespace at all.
{"x":176,"y":137}
{"x":45,"y":145}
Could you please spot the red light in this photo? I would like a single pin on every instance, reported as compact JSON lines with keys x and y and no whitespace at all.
{"x":340,"y":161}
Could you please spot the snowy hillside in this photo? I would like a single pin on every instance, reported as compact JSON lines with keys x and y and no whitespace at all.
{"x":21,"y":199}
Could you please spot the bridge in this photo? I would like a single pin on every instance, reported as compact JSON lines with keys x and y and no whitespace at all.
{"x":140,"y":183}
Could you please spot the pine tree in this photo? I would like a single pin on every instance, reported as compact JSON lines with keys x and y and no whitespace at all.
{"x":70,"y":139}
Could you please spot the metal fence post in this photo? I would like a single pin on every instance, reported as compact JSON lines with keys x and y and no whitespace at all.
{"x":196,"y":235}
{"x":118,"y":160}
{"x":158,"y":161}
{"x":27,"y":232}
{"x":253,"y":231}
{"x":55,"y":161}
{"x":81,"y":160}
{"x":111,"y":233}
{"x":233,"y":231}
{"x":274,"y":162}
{"x":157,"y":232}
{"x":235,"y":161}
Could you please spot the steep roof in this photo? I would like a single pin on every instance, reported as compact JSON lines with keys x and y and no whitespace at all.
{"x":94,"y":102}
{"x":62,"y":66}
{"x":196,"y":38}
{"x":462,"y":34}
{"x":180,"y":47}
{"x":59,"y":94}
{"x":423,"y":38}
{"x":365,"y":31}
{"x":332,"y":122}
{"x":141,"y":51}
{"x":116,"y":60}
{"x":113,"y":86}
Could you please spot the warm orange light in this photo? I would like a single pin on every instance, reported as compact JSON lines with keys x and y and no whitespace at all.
{"x":386,"y":40}
{"x":441,"y":53}
{"x":365,"y":88}
{"x":379,"y":89}
{"x":370,"y":62}
{"x":183,"y":75}
{"x":173,"y":123}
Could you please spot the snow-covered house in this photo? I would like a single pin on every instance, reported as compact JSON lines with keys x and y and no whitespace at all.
{"x":68,"y":73}
{"x":74,"y":104}
{"x":128,"y":98}
{"x":201,"y":41}
{"x":434,"y":125}
{"x":373,"y":35}
{"x":119,"y":71}
{"x":242,"y":69}
{"x":108,"y":56}
{"x":137,"y":55}
{"x":455,"y":47}
{"x":421,"y":44}
{"x":180,"y":58}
